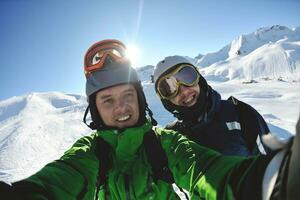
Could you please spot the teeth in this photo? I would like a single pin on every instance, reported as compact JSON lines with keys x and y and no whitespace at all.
{"x":124,"y":118}
{"x":189,"y":100}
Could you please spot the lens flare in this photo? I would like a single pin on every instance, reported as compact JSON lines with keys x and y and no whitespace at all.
{"x":133,"y":54}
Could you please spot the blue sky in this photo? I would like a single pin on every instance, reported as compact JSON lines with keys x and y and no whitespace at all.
{"x":43,"y":42}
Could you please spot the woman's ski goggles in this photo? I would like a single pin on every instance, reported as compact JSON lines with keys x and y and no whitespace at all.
{"x":168,"y":85}
{"x":97,"y":54}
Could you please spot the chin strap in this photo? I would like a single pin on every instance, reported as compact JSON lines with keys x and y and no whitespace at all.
{"x":153,"y":121}
{"x":92,"y":125}
{"x":143,"y":99}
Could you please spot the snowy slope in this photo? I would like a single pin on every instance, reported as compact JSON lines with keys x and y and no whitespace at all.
{"x":35,"y":129}
{"x":268,"y":53}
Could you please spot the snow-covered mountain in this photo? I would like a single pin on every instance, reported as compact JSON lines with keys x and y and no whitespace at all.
{"x":268,"y":53}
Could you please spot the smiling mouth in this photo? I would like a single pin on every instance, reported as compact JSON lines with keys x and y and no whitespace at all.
{"x":123,"y":118}
{"x":189,"y":100}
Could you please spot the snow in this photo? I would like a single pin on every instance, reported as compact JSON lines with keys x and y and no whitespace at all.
{"x":38,"y":128}
{"x":268,"y":53}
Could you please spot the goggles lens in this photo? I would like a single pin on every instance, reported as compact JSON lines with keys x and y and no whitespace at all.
{"x":100,"y":55}
{"x":97,"y":54}
{"x":168,"y":86}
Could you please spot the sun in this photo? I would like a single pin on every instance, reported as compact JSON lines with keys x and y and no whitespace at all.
{"x":133,"y":54}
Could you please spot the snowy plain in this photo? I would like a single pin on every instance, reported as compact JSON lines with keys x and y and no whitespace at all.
{"x":38,"y":128}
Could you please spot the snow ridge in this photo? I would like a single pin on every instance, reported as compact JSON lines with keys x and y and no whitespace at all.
{"x":268,"y":53}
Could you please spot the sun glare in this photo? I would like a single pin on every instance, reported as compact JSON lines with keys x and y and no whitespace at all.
{"x":133,"y":54}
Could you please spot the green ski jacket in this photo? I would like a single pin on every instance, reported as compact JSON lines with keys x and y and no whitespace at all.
{"x":204,"y":173}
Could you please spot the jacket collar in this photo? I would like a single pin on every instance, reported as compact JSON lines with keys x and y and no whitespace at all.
{"x":125,"y":143}
{"x":207,"y":115}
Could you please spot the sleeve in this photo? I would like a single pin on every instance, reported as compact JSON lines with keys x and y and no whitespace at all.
{"x":253,"y":127}
{"x":207,"y":174}
{"x":73,"y":176}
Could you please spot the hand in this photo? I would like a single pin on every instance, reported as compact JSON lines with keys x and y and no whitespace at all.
{"x":274,"y":143}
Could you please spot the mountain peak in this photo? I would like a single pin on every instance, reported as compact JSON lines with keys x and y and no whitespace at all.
{"x":269,"y":53}
{"x":272,"y":28}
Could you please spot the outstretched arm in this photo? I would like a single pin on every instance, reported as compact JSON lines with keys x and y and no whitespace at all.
{"x":71,"y":177}
{"x":207,"y":174}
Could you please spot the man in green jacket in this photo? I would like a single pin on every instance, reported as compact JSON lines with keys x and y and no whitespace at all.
{"x":122,"y":120}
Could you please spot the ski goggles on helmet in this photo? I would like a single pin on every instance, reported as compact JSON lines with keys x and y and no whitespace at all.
{"x":98,"y":53}
{"x":168,"y":85}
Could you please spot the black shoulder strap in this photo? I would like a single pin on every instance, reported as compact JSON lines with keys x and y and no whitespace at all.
{"x":158,"y":160}
{"x":103,"y":150}
{"x":252,"y":124}
{"x":157,"y":157}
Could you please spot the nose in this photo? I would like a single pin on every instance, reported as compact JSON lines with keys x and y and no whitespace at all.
{"x":183,"y":90}
{"x":120,"y":106}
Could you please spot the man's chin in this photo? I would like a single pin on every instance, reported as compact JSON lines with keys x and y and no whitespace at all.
{"x":123,"y":125}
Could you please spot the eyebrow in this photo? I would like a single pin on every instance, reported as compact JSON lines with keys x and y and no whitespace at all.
{"x":128,"y":90}
{"x":105,"y":96}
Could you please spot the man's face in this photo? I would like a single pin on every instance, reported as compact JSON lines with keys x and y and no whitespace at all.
{"x":118,"y":106}
{"x":187,"y":96}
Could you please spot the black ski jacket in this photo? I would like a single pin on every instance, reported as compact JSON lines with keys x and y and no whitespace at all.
{"x":227,"y":128}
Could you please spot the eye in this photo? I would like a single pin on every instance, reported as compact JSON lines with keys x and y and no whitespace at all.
{"x":97,"y":58}
{"x":128,"y":96}
{"x":108,"y":101}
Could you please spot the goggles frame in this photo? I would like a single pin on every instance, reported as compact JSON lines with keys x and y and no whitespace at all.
{"x":107,"y":47}
{"x":178,"y":82}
